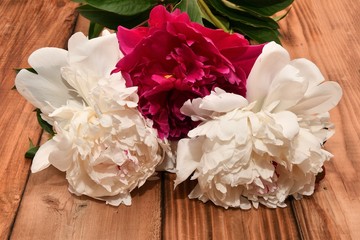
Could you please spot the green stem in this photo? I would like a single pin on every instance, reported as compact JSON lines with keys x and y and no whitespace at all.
{"x":211,"y":16}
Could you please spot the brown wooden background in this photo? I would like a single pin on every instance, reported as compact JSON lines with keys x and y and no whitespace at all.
{"x":38,"y":206}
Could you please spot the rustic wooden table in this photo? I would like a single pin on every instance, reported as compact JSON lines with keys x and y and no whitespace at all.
{"x":39,"y":206}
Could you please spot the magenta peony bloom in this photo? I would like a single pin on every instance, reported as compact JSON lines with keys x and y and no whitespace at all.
{"x":174,"y":60}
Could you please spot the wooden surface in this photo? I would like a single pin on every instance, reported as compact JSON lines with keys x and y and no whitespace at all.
{"x":38,"y":206}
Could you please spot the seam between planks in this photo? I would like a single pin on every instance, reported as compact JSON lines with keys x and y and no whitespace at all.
{"x":209,"y":223}
{"x":298,"y":226}
{"x":162,"y":206}
{"x":39,"y":141}
{"x":23,"y":190}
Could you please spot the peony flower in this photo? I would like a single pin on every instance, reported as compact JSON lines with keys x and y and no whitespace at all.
{"x":266,"y":147}
{"x":102,"y":142}
{"x":174,"y":60}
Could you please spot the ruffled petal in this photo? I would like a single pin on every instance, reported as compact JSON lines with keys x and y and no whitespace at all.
{"x":192,"y":109}
{"x":319,"y":99}
{"x":218,"y":101}
{"x":222,"y":101}
{"x":61,"y":154}
{"x":287,"y":88}
{"x":97,"y":57}
{"x":128,"y":39}
{"x":117,"y":199}
{"x":188,"y":157}
{"x":48,"y":61}
{"x":41,"y":159}
{"x":31,"y":86}
{"x":272,"y":59}
{"x":289,"y":123}
{"x":45,"y":90}
{"x":309,"y":71}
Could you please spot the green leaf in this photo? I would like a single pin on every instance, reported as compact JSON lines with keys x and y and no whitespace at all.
{"x":123,"y":7}
{"x":260,"y":7}
{"x":192,"y":8}
{"x":112,"y":20}
{"x":243,"y":17}
{"x":17,"y":70}
{"x":30,"y":153}
{"x":95,"y":30}
{"x":44,"y":125}
{"x":253,"y":25}
{"x":260,"y":3}
{"x":278,"y":18}
{"x":260,"y":35}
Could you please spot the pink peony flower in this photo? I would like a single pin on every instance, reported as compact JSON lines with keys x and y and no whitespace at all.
{"x":174,"y":60}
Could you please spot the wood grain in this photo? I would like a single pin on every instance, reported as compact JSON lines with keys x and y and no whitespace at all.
{"x":191,"y":219}
{"x":48,"y":209}
{"x":327,"y":32}
{"x":324,"y":31}
{"x":24,"y":27}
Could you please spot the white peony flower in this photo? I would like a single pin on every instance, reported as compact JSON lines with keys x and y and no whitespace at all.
{"x":263,"y":148}
{"x":102,"y":142}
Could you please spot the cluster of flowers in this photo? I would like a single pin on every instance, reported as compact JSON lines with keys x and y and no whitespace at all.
{"x":248,"y":121}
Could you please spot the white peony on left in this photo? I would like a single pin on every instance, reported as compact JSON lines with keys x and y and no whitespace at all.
{"x":102,"y":142}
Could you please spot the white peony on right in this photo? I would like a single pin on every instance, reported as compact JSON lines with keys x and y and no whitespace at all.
{"x":263,"y":148}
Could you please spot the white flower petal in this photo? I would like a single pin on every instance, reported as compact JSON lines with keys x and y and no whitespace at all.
{"x":41,"y":159}
{"x":197,"y":193}
{"x":209,"y":129}
{"x":222,"y":102}
{"x":61,"y":153}
{"x":272,"y":59}
{"x":47,"y":62}
{"x":27,"y":84}
{"x":117,"y":200}
{"x":188,"y":157}
{"x":319,"y":99}
{"x":76,"y":45}
{"x":287,"y":89}
{"x":46,"y":89}
{"x":192,"y":109}
{"x":308,"y":70}
{"x":218,"y":101}
{"x":97,"y":56}
{"x":305,"y":145}
{"x":244,"y":203}
{"x":289,"y":123}
{"x":106,"y":121}
{"x":41,"y":92}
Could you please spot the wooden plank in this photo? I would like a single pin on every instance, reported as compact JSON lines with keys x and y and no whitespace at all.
{"x":183,"y":218}
{"x":191,"y":219}
{"x":327,"y":32}
{"x":48,"y":209}
{"x":24,"y":27}
{"x":82,"y":25}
